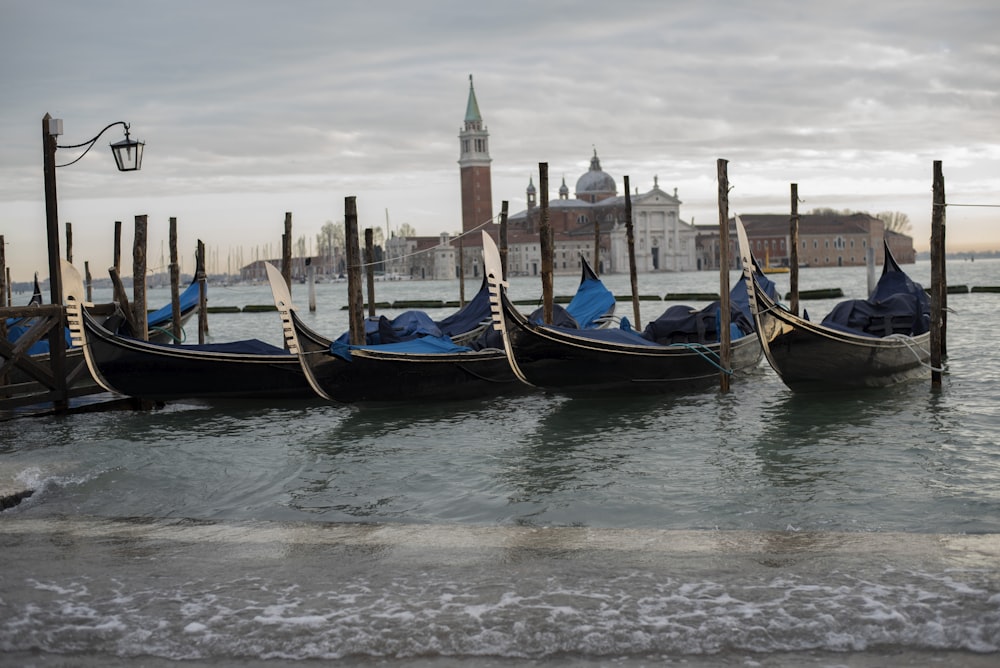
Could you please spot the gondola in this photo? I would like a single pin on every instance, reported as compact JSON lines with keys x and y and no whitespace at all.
{"x":249,"y":369}
{"x":423,"y":368}
{"x":662,"y":358}
{"x":873,"y":342}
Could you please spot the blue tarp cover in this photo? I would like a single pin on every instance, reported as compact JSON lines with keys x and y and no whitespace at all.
{"x":425,"y":345}
{"x":246,"y":347}
{"x":163,"y":315}
{"x":469,"y":316}
{"x":898,"y":305}
{"x":591,"y":301}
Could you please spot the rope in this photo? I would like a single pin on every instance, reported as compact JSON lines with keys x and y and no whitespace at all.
{"x":705,"y":352}
{"x":993,"y":206}
{"x":171,"y":334}
{"x":917,"y":351}
{"x":489,"y":221}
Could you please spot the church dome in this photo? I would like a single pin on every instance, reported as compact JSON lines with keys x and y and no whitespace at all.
{"x":595,"y":184}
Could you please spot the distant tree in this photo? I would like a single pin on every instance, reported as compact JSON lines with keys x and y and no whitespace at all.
{"x":406,"y":230}
{"x":827,"y":211}
{"x":330,"y":238}
{"x":300,"y":247}
{"x":895,"y":221}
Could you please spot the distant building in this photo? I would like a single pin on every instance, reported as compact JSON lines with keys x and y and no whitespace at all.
{"x":825,"y":240}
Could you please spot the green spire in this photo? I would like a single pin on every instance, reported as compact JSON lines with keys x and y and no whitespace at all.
{"x":472,"y":109}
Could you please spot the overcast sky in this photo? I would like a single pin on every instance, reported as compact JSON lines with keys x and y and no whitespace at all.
{"x":251,"y":109}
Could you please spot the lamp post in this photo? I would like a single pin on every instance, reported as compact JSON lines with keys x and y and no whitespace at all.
{"x":128,"y":158}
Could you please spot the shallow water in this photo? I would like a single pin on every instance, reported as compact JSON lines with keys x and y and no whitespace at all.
{"x":752,"y":528}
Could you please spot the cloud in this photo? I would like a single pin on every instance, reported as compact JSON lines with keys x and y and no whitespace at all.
{"x":313,"y":101}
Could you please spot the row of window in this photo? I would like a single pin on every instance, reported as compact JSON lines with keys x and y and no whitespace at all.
{"x":779,"y":244}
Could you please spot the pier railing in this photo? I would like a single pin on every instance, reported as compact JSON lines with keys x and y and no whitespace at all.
{"x":51,"y":378}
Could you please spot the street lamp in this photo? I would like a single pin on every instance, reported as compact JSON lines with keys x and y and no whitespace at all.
{"x":128,"y":158}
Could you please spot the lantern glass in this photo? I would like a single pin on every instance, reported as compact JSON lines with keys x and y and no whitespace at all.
{"x":128,"y":154}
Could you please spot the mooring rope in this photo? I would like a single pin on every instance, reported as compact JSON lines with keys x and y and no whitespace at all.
{"x":914,"y":348}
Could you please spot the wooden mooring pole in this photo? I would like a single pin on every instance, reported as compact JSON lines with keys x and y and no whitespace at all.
{"x":69,"y":242}
{"x":793,"y":252}
{"x":545,"y":243}
{"x":286,"y":251}
{"x":355,"y":300}
{"x":725,"y":353}
{"x":370,"y":269}
{"x":202,"y":278}
{"x":175,"y":280}
{"x":139,"y":279}
{"x":630,"y":240}
{"x":503,"y":239}
{"x":939,"y":286}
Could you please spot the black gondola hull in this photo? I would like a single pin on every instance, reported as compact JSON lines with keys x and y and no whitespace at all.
{"x":376,"y":376}
{"x":169,"y":373}
{"x":560,"y":360}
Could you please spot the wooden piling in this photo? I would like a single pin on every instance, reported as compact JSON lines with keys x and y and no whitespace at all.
{"x":139,"y":279}
{"x":725,"y":354}
{"x":311,"y":278}
{"x":122,"y":299}
{"x":117,"y":263}
{"x":597,"y":242}
{"x":69,"y":242}
{"x":370,"y":269}
{"x":175,"y":281}
{"x":630,"y":242}
{"x":793,"y":252}
{"x":4,"y":299}
{"x":545,"y":242}
{"x":461,"y":271}
{"x":938,"y":284}
{"x":88,"y":281}
{"x":286,"y":251}
{"x":202,"y":278}
{"x":503,"y":239}
{"x":355,"y":305}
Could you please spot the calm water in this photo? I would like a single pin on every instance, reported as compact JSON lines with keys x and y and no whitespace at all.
{"x":752,"y":528}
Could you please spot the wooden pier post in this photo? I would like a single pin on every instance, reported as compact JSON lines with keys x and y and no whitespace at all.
{"x":503,"y":239}
{"x":69,"y":242}
{"x":286,"y":251}
{"x":139,"y":279}
{"x":370,"y":269}
{"x":725,"y":354}
{"x":793,"y":252}
{"x":597,"y":246}
{"x":202,"y":278}
{"x":4,"y":299}
{"x":355,"y":302}
{"x":311,"y":277}
{"x":88,"y":280}
{"x":939,"y":287}
{"x":545,"y":242}
{"x":630,"y":242}
{"x":117,"y":264}
{"x":175,"y":280}
{"x":461,"y":271}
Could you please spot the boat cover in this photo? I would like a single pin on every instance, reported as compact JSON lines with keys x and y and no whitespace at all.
{"x":427,"y":345}
{"x":404,"y":327}
{"x":561,"y":317}
{"x":683,"y":324}
{"x":470,"y":316}
{"x":591,"y":301}
{"x":898,"y":305}
{"x":245,"y":347}
{"x":163,"y":316}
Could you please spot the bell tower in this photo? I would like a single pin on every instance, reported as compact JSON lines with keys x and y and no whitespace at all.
{"x":474,"y":165}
